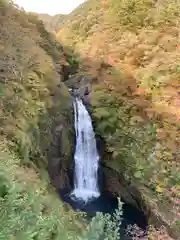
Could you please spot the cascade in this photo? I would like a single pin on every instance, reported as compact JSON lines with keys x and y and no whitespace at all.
{"x":86,"y":156}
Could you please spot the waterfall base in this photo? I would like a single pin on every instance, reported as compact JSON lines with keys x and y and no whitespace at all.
{"x":107,"y":203}
{"x":84,"y":194}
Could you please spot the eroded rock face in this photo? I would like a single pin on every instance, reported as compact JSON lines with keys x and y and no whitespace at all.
{"x":60,"y":153}
{"x":81,"y":87}
{"x":60,"y":164}
{"x":116,"y":184}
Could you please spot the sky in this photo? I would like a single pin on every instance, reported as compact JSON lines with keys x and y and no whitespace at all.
{"x":51,"y":7}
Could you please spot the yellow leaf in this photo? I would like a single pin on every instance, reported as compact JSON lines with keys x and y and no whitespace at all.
{"x":159,"y":189}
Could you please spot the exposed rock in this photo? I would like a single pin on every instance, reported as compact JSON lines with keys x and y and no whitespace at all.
{"x":60,"y":153}
{"x":116,"y":184}
{"x":81,"y":86}
{"x":60,"y":163}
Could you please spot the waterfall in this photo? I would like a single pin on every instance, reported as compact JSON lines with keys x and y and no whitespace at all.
{"x":86,"y":155}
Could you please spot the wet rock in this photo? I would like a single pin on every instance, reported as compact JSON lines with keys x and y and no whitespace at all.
{"x":116,"y":184}
{"x":60,"y":152}
{"x":60,"y":157}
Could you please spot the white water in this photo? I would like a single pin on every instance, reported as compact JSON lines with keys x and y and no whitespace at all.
{"x":86,"y":156}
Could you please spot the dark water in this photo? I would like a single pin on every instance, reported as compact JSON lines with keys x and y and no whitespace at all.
{"x":107,"y":203}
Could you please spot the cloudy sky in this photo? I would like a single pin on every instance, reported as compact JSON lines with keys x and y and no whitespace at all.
{"x":51,"y":7}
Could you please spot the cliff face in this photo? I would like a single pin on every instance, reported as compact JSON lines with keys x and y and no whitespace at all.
{"x":60,"y":153}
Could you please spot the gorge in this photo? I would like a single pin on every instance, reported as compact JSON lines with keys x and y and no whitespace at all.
{"x":89,"y":194}
{"x":113,"y":135}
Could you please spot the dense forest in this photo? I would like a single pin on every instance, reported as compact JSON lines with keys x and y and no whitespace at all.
{"x":30,"y":62}
{"x":28,"y":77}
{"x":132,"y":50}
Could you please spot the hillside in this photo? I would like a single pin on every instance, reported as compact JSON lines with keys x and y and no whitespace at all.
{"x":52,"y":23}
{"x":28,"y":77}
{"x":132,"y":50}
{"x":35,"y":108}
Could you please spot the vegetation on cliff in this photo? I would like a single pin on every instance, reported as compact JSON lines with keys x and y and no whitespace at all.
{"x":28,"y":79}
{"x":132,"y":49}
{"x":32,"y":98}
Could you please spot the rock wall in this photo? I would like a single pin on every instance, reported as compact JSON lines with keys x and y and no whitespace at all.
{"x":60,"y":153}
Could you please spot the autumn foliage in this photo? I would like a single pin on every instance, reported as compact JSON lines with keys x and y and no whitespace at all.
{"x":136,"y":99}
